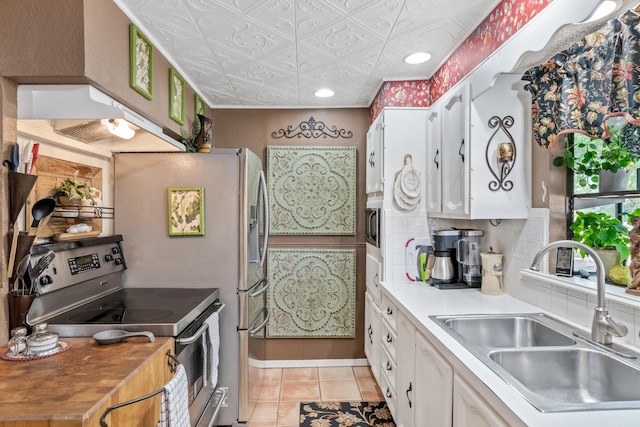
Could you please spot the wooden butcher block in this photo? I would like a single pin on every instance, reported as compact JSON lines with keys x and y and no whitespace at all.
{"x":73,"y":388}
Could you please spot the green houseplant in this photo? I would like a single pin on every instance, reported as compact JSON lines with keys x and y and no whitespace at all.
{"x":74,"y":191}
{"x":605,"y":234}
{"x":588,"y":157}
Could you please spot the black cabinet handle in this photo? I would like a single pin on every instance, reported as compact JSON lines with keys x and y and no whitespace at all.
{"x":460,"y":153}
{"x":389,"y":339}
{"x":408,"y":398}
{"x":370,"y":331}
{"x":435,"y":159}
{"x":388,"y":366}
{"x":371,"y":162}
{"x":389,"y":311}
{"x":389,"y":393}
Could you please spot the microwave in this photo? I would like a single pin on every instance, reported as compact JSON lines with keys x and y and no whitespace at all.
{"x":372,"y":226}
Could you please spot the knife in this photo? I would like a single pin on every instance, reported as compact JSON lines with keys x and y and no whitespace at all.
{"x":26,"y":156}
{"x":15,"y":158}
{"x":34,"y":156}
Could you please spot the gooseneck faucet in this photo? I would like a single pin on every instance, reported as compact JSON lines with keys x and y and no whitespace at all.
{"x":603,"y":326}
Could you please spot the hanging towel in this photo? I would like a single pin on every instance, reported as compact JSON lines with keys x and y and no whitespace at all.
{"x":174,"y":406}
{"x":211,"y":350}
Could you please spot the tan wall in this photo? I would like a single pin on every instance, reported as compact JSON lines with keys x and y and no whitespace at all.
{"x":252,"y":129}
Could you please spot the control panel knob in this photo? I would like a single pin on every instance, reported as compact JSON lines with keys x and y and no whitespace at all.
{"x":45,"y":280}
{"x":115,"y":250}
{"x":118,"y":261}
{"x":108,"y":257}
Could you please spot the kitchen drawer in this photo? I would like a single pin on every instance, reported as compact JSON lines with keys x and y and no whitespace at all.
{"x":389,"y":338}
{"x":388,"y":367}
{"x":389,"y":395}
{"x":389,"y":312}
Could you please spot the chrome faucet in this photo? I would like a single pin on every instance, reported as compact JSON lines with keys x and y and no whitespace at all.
{"x":603,"y":327}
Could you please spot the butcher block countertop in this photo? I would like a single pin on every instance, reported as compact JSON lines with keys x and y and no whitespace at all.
{"x":74,"y":388}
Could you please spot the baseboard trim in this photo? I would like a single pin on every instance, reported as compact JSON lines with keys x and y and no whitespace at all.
{"x":312,"y":363}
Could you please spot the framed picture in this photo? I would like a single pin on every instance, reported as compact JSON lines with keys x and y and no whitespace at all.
{"x":140,"y":63}
{"x":176,"y":97}
{"x":200,"y":106}
{"x":186,"y":211}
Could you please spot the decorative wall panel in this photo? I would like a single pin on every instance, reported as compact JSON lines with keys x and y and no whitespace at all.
{"x":312,"y":190}
{"x":312,"y":293}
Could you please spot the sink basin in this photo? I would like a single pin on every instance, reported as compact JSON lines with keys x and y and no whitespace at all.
{"x":539,"y":358}
{"x":505,"y":331}
{"x":571,"y":378}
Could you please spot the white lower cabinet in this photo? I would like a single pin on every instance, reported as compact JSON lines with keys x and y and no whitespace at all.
{"x":470,"y":409}
{"x":421,"y":386}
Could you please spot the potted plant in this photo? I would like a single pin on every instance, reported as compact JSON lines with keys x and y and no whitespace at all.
{"x":73,"y":191}
{"x":605,"y":234}
{"x":589,"y":157}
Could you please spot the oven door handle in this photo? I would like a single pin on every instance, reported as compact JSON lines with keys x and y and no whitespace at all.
{"x":255,"y":329}
{"x":193,"y":338}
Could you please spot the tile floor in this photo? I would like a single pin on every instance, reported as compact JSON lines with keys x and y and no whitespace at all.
{"x":282,"y":390}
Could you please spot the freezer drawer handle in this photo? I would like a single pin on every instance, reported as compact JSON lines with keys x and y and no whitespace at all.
{"x":193,"y":338}
{"x":262,"y":290}
{"x":255,"y":329}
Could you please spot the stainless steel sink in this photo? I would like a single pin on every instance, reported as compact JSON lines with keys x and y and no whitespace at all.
{"x":543,"y":360}
{"x":574,"y":378}
{"x":506,"y":331}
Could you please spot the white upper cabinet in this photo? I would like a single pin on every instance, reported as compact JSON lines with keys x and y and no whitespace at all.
{"x":471,"y":182}
{"x":375,"y":148}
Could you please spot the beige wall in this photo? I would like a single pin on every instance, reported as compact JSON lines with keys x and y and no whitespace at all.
{"x":252,"y":129}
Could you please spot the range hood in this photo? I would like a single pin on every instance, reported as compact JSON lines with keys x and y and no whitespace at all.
{"x":75,"y":111}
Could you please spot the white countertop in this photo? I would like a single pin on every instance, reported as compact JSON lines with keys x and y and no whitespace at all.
{"x":421,"y":301}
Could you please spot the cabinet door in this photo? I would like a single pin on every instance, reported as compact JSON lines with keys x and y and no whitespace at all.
{"x":470,"y":410}
{"x":455,"y":153}
{"x":434,"y":160}
{"x":433,"y":386}
{"x":375,"y":155}
{"x":406,"y":380}
{"x":372,"y":277}
{"x":373,"y":345}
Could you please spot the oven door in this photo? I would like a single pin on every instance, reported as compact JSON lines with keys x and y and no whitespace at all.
{"x":204,"y":400}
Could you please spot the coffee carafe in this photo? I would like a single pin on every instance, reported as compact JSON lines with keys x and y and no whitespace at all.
{"x":468,"y":255}
{"x":444,"y":270}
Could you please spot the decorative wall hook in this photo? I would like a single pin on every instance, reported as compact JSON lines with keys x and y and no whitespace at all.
{"x":505,"y":156}
{"x":311,"y":129}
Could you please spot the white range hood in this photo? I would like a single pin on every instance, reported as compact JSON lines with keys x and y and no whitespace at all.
{"x":76,"y":110}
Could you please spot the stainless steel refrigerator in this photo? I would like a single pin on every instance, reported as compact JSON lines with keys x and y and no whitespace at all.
{"x":230,"y":253}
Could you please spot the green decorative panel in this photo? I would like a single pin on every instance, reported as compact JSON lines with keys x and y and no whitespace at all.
{"x":312,"y":190}
{"x":312,"y":293}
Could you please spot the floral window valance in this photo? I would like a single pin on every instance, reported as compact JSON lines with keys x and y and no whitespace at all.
{"x":595,"y":79}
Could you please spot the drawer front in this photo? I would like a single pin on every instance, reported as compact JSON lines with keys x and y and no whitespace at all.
{"x":389,"y":396}
{"x":389,"y":338}
{"x":388,"y":367}
{"x":389,"y":312}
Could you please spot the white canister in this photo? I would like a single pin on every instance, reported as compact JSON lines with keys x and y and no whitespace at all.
{"x":491,"y":273}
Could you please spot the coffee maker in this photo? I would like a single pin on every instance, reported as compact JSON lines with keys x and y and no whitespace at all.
{"x":468,"y":257}
{"x":444,"y":272}
{"x":457,"y":263}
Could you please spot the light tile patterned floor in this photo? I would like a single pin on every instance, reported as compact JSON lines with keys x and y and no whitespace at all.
{"x":282,"y":390}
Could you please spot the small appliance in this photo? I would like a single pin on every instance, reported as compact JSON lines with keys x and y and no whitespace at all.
{"x":444,"y":271}
{"x":491,"y":273}
{"x":468,"y":256}
{"x":372,"y":226}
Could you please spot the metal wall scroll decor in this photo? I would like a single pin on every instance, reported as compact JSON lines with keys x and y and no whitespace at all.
{"x":502,"y":144}
{"x":312,"y":129}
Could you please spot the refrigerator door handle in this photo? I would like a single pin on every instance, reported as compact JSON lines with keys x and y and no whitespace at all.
{"x":265,"y":195}
{"x":255,"y":329}
{"x":262,"y":290}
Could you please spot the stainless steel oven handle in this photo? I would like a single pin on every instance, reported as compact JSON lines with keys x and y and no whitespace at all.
{"x":193,"y":338}
{"x":262,"y":290}
{"x":254,"y":330}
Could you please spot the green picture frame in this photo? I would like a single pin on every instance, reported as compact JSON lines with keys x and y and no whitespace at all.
{"x":176,"y":97}
{"x":140,"y":63}
{"x":186,"y":211}
{"x":199,"y":106}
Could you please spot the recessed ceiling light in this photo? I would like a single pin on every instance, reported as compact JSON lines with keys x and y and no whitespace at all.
{"x":324,"y":93}
{"x":417,"y":58}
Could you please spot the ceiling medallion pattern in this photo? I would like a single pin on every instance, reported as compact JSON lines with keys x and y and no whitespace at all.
{"x":312,"y":129}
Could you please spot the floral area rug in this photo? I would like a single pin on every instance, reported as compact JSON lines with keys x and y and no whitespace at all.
{"x":345,"y":414}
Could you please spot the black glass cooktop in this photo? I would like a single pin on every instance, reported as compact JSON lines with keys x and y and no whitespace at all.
{"x":163,"y":311}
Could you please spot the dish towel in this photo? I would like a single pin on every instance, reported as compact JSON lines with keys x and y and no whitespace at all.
{"x":211,"y":351}
{"x":174,"y":405}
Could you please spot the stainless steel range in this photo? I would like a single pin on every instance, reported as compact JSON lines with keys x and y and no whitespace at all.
{"x":81,"y":293}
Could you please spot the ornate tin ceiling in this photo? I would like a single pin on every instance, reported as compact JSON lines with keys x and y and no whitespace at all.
{"x":276,"y":53}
